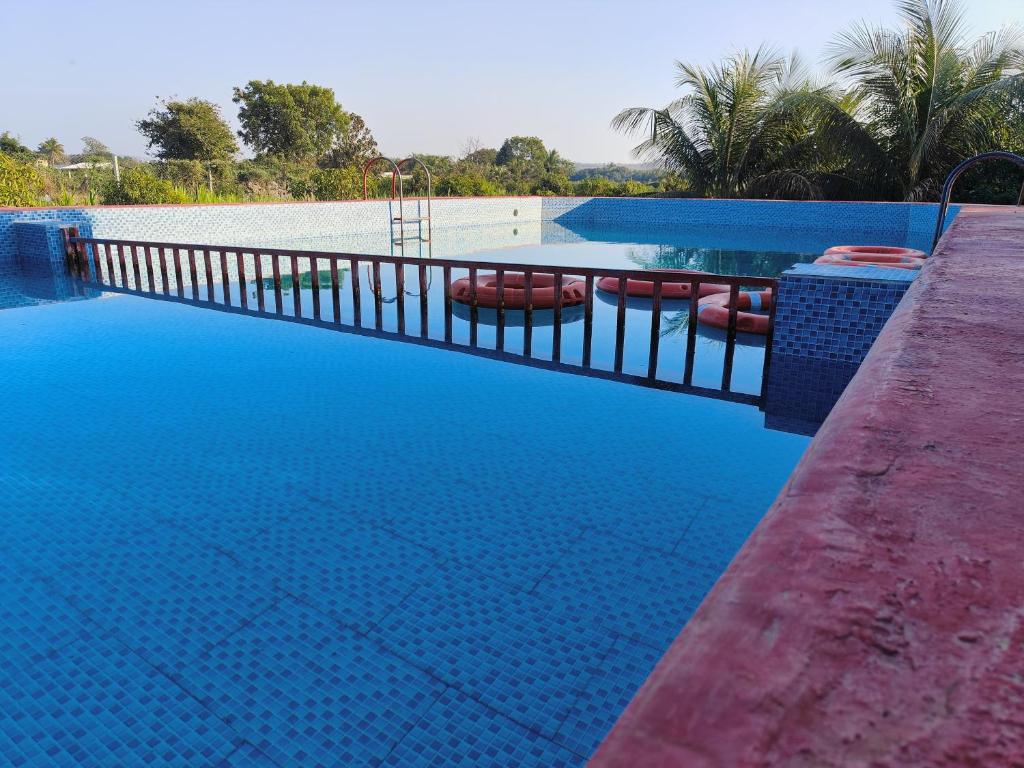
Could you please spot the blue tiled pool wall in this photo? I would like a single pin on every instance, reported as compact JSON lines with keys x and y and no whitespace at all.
{"x":826,"y":320}
{"x":267,"y":222}
{"x":278,"y":223}
{"x":766,"y":214}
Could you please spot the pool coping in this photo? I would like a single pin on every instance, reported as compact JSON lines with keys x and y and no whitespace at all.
{"x":876,"y":615}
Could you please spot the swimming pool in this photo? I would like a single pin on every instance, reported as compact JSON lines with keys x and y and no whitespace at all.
{"x":240,"y":540}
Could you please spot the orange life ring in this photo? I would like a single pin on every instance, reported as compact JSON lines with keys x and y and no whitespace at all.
{"x":873,"y":260}
{"x":543,"y":290}
{"x":644,"y":289}
{"x":714,"y":311}
{"x":875,"y":250}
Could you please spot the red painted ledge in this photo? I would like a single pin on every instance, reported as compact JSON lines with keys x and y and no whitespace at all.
{"x":876,"y":616}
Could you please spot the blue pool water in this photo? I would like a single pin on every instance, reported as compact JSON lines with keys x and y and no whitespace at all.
{"x":236,"y":541}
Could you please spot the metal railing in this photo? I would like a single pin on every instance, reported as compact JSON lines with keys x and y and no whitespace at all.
{"x":947,"y":187}
{"x":398,"y":195}
{"x":191,"y":273}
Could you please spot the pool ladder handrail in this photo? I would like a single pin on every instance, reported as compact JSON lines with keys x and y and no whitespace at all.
{"x":398,"y":187}
{"x":947,"y":187}
{"x":430,"y":195}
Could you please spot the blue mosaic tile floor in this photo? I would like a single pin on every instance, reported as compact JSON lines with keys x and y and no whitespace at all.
{"x":240,"y":543}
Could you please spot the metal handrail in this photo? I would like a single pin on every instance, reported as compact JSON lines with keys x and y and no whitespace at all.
{"x":947,"y":187}
{"x":430,"y":193}
{"x":396,"y":173}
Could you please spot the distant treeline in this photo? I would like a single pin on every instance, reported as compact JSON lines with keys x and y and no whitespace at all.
{"x":304,"y":146}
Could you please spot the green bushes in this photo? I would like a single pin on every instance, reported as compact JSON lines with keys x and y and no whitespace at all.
{"x":140,"y":187}
{"x":341,"y":184}
{"x":20,"y":183}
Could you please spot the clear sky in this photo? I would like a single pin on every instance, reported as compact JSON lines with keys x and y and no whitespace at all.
{"x":425,"y":75}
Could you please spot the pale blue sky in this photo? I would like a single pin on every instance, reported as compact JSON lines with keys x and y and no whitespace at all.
{"x":451,"y":69}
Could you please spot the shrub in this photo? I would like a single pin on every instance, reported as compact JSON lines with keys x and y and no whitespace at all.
{"x":140,"y":187}
{"x":340,"y":184}
{"x":20,"y":182}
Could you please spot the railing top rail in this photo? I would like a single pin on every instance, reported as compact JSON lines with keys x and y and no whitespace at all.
{"x":653,"y":275}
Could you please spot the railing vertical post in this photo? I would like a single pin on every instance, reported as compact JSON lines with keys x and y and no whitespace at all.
{"x":473,"y":308}
{"x":335,"y":291}
{"x":133,"y":252}
{"x":378,"y":297}
{"x":275,"y":261}
{"x":224,"y":281}
{"x":620,"y":325}
{"x":72,"y":258}
{"x":122,"y":265}
{"x":528,"y":313}
{"x":357,"y":310}
{"x":400,"y":295}
{"x":652,"y":359}
{"x":193,"y":277}
{"x":446,"y":276}
{"x":96,"y":258}
{"x":261,"y":298}
{"x":163,"y":271}
{"x":97,"y":266}
{"x":111,"y":278}
{"x":314,"y":284}
{"x":691,"y":332}
{"x":243,"y":294}
{"x":208,"y":268}
{"x":179,"y":281}
{"x":588,"y":319}
{"x":730,"y":336}
{"x":424,"y":310}
{"x":296,"y":286}
{"x":499,"y":330}
{"x":556,"y":335}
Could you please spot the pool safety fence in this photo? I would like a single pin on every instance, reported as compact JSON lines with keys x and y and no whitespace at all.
{"x":222,"y":277}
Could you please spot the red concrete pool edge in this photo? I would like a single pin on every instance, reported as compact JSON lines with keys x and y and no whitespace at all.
{"x":876,"y":616}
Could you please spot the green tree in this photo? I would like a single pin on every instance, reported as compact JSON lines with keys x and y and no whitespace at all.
{"x":526,"y":154}
{"x":467,"y":183}
{"x":20,"y":182}
{"x":192,"y":129}
{"x":482,"y":157}
{"x":140,"y":187}
{"x":93,"y":151}
{"x":745,"y":127}
{"x":12,"y":146}
{"x":52,"y":151}
{"x":524,"y":165}
{"x":355,"y":146}
{"x":927,"y":96}
{"x":339,"y":183}
{"x":296,"y":122}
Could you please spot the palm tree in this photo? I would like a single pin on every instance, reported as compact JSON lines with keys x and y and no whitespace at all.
{"x":925,"y":96}
{"x":52,"y":151}
{"x":746,"y":127}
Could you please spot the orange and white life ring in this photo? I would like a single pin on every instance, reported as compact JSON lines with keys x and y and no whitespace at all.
{"x":873,"y":256}
{"x":714,"y":311}
{"x":644,"y":289}
{"x":542,"y":289}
